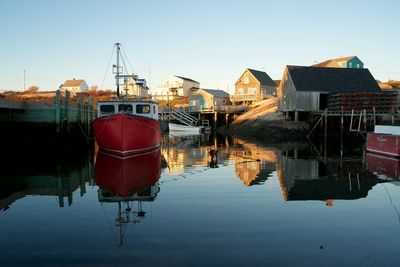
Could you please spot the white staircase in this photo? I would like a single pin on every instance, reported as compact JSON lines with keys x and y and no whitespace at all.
{"x":184,"y":117}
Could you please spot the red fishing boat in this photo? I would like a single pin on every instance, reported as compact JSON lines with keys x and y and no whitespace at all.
{"x":384,"y":140}
{"x":126,"y":127}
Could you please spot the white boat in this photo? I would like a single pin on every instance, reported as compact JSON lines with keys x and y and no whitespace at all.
{"x":184,"y":128}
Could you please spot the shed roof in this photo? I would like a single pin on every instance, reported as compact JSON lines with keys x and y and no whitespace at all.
{"x":262,"y":77}
{"x":343,"y":58}
{"x":72,"y":83}
{"x":215,"y":92}
{"x":333,"y":80}
{"x":333,"y":60}
{"x":187,"y":79}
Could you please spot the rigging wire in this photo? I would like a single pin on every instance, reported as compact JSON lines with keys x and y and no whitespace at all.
{"x":107,"y":68}
{"x":127,"y":59}
{"x":391,"y":202}
{"x":108,"y":222}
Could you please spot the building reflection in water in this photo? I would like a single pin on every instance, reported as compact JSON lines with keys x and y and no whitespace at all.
{"x":44,"y":174}
{"x":128,"y":183}
{"x":186,"y":153}
{"x":253,"y":163}
{"x":303,"y":176}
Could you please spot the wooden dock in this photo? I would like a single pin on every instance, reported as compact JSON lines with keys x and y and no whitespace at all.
{"x":58,"y":111}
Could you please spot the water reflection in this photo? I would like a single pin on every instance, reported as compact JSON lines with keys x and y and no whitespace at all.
{"x":228,"y":189}
{"x":384,"y":167}
{"x":306,"y":176}
{"x":42,"y":174}
{"x":188,"y":153}
{"x":253,"y":163}
{"x":128,"y":183}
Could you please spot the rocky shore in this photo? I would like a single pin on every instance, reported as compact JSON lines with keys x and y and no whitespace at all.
{"x":264,"y":122}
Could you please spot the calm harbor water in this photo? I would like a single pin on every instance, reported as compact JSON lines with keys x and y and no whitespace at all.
{"x":250,"y":205}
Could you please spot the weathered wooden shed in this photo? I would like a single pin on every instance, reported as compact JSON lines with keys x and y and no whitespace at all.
{"x":208,"y":99}
{"x":307,"y":89}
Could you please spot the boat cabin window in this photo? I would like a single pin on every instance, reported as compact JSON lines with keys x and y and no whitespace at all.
{"x":142,"y":109}
{"x":107,"y":109}
{"x":125,"y":108}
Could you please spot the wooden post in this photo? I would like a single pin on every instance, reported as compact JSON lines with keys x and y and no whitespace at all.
{"x":341,"y":123}
{"x":215,"y":120}
{"x":58,"y":111}
{"x":359,"y":121}
{"x":365,"y":120}
{"x":350,"y":187}
{"x":341,"y":135}
{"x":351,"y":120}
{"x":373,"y":109}
{"x":90,"y":115}
{"x":296,"y":115}
{"x":326,"y":132}
{"x":326,"y":124}
{"x":66,"y":109}
{"x":80,"y":109}
{"x":392,"y":118}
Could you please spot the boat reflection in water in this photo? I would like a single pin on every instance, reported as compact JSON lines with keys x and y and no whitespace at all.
{"x":387,"y":168}
{"x":128,"y":182}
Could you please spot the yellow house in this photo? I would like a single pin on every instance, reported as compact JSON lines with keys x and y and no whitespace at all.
{"x":253,"y":85}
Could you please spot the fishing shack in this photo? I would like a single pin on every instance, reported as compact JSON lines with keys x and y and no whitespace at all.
{"x":306,"y":90}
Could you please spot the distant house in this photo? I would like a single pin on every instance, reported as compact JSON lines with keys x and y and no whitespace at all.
{"x":343,"y":62}
{"x":76,"y":86}
{"x":307,"y":88}
{"x":136,"y":87}
{"x":175,"y":87}
{"x":253,"y":85}
{"x":208,"y":99}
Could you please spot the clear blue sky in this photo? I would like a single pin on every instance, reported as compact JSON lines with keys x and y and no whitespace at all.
{"x":211,"y":41}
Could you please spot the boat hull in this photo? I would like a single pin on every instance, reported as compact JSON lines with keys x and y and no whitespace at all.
{"x":183,"y":128}
{"x":384,"y":144}
{"x":127,"y":135}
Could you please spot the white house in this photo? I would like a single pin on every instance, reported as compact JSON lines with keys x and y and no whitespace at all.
{"x":174,"y":87}
{"x":75,"y":86}
{"x":136,"y":87}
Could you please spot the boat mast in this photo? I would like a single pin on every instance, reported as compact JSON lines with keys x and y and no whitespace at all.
{"x":117,"y":69}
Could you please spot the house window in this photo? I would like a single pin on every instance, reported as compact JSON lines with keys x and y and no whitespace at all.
{"x":240,"y":91}
{"x":192,"y":103}
{"x":350,"y":64}
{"x":358,"y":65}
{"x":252,"y":91}
{"x":246,"y":79}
